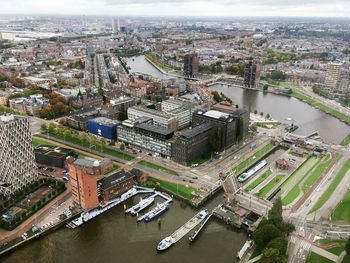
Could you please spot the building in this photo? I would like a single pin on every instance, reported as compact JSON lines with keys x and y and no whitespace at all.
{"x":191,"y":63}
{"x":192,"y":144}
{"x":115,"y":25}
{"x":123,"y":103}
{"x":90,"y":185}
{"x":283,"y":164}
{"x":224,"y":122}
{"x":31,"y":105}
{"x":18,"y":167}
{"x":87,"y":101}
{"x":252,"y":74}
{"x":104,"y":127}
{"x":160,"y":119}
{"x":52,"y":155}
{"x":141,"y":134}
{"x":179,"y":109}
{"x":333,"y":75}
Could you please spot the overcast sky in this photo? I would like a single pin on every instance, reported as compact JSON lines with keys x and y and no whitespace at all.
{"x":308,"y":8}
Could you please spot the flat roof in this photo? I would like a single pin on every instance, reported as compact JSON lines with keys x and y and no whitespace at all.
{"x":196,"y":130}
{"x":114,"y":179}
{"x":105,"y":121}
{"x":154,"y":129}
{"x":216,"y":114}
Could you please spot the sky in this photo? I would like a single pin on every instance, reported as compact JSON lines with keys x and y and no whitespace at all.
{"x":303,"y":8}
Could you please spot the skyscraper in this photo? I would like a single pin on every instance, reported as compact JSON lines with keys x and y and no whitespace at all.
{"x":191,"y":62}
{"x":115,"y":25}
{"x":18,"y":167}
{"x":332,"y":75}
{"x":252,"y":74}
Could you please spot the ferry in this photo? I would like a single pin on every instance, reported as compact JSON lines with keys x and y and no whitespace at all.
{"x":144,"y":203}
{"x":155,"y":212}
{"x":182,"y":231}
{"x":245,"y":176}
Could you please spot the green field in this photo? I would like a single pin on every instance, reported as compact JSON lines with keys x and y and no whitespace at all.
{"x":328,"y":193}
{"x":301,"y":170}
{"x":342,"y":212}
{"x":36,"y":142}
{"x":322,"y":107}
{"x":346,"y":259}
{"x":259,"y":180}
{"x":250,"y":160}
{"x":316,"y":258}
{"x":157,"y":167}
{"x":346,"y":141}
{"x":336,"y":250}
{"x":327,"y":241}
{"x":295,"y":192}
{"x":179,"y":189}
{"x":264,"y":191}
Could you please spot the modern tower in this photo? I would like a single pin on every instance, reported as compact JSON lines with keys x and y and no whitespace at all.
{"x":115,"y":25}
{"x":18,"y":167}
{"x":191,"y":62}
{"x":332,"y":75}
{"x":252,"y":74}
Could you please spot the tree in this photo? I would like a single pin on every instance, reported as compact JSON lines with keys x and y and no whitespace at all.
{"x":268,"y":116}
{"x":93,"y":140}
{"x":287,"y":228}
{"x":103,"y":143}
{"x":277,"y":75}
{"x":279,"y":243}
{"x":59,"y":130}
{"x":84,"y":138}
{"x":272,"y":255}
{"x":255,"y":112}
{"x":261,"y":114}
{"x":122,"y":147}
{"x":265,"y":234}
{"x":52,"y":127}
{"x":347,"y":247}
{"x":75,"y":136}
{"x":112,"y":143}
{"x":67,"y":133}
{"x":43,"y":127}
{"x":122,"y":115}
{"x":266,"y":87}
{"x":275,"y":213}
{"x":254,"y":127}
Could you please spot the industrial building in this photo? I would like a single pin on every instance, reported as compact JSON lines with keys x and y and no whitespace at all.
{"x":52,"y":155}
{"x":192,"y":144}
{"x":18,"y":167}
{"x":160,"y":119}
{"x":104,"y":127}
{"x":141,"y":134}
{"x":179,"y":109}
{"x":252,"y":74}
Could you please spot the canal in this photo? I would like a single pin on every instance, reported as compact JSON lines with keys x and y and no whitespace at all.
{"x":116,"y":237}
{"x":279,"y":107}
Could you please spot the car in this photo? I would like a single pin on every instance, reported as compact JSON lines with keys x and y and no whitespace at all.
{"x":195,"y":165}
{"x":149,"y":154}
{"x":195,"y":177}
{"x":235,"y":158}
{"x":191,"y":181}
{"x":64,"y":178}
{"x":183,"y":179}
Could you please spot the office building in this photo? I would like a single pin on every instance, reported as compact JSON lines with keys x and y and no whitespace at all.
{"x":252,"y":74}
{"x":52,"y":155}
{"x":224,"y":122}
{"x":115,"y":25}
{"x":160,"y":119}
{"x":192,"y":144}
{"x":191,"y":63}
{"x":141,"y":134}
{"x":18,"y":167}
{"x":179,"y":109}
{"x":104,"y":127}
{"x":333,"y":75}
{"x":91,"y":187}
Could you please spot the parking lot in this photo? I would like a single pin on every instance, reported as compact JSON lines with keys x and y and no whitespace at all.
{"x":52,"y":172}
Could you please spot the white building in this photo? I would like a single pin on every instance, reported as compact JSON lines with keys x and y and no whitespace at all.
{"x":179,"y":109}
{"x":333,"y":75}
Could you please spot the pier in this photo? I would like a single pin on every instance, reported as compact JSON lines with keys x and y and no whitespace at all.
{"x":195,"y":233}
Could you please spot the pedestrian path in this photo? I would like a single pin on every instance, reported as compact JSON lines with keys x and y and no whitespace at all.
{"x":324,"y":253}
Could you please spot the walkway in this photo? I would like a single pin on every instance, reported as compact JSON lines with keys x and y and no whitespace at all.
{"x":324,"y":253}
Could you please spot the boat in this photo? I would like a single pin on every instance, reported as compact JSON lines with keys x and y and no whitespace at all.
{"x":144,"y":203}
{"x":155,"y":212}
{"x":182,"y":231}
{"x":245,"y":176}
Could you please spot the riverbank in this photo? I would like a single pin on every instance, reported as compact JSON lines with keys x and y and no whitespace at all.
{"x":158,"y":67}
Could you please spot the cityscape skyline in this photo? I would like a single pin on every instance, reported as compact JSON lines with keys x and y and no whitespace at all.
{"x":254,"y":8}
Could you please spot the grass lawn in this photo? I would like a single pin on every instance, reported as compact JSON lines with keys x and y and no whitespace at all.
{"x":346,"y":259}
{"x":115,"y":167}
{"x":257,"y":251}
{"x":36,"y":142}
{"x":336,"y":250}
{"x":327,"y":241}
{"x":327,"y":194}
{"x":258,"y":181}
{"x":294,"y":193}
{"x":346,"y":141}
{"x":322,"y":107}
{"x":316,"y":173}
{"x":157,"y":167}
{"x":316,"y":258}
{"x":179,"y":189}
{"x":250,"y":160}
{"x":342,"y":212}
{"x":264,"y":191}
{"x":301,"y":170}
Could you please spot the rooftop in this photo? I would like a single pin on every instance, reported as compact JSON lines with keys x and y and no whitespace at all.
{"x":115,"y":178}
{"x":154,"y":129}
{"x":90,"y":162}
{"x":105,"y":121}
{"x":196,"y":130}
{"x":216,"y":114}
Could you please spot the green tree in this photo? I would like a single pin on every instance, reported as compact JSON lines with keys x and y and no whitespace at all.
{"x":275,"y":213}
{"x":266,"y":87}
{"x":84,"y":138}
{"x":277,"y":75}
{"x":122,"y":147}
{"x":67,"y":133}
{"x":93,"y":140}
{"x":103,"y":143}
{"x":43,"y":127}
{"x":272,"y":255}
{"x":254,"y":127}
{"x":52,"y":127}
{"x":279,"y":243}
{"x":112,"y":143}
{"x":265,"y":234}
{"x":255,"y":112}
{"x":261,"y":114}
{"x":268,"y":116}
{"x":75,"y":136}
{"x":59,"y":130}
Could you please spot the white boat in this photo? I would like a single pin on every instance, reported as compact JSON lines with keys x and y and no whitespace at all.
{"x":144,"y":203}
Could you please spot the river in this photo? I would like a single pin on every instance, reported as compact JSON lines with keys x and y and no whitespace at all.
{"x":279,"y":107}
{"x":116,"y":237}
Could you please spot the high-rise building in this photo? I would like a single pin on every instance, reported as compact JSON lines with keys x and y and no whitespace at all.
{"x":332,"y":75}
{"x":191,"y":62}
{"x":252,"y":73}
{"x":115,"y":25}
{"x":18,"y":167}
{"x":0,"y":36}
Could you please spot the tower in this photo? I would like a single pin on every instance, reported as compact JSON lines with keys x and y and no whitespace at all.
{"x":332,"y":75}
{"x":252,"y":74}
{"x":18,"y":167}
{"x":191,"y":62}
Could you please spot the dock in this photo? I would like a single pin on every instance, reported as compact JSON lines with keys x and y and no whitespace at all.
{"x":156,"y":193}
{"x":196,"y":232}
{"x":88,"y":215}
